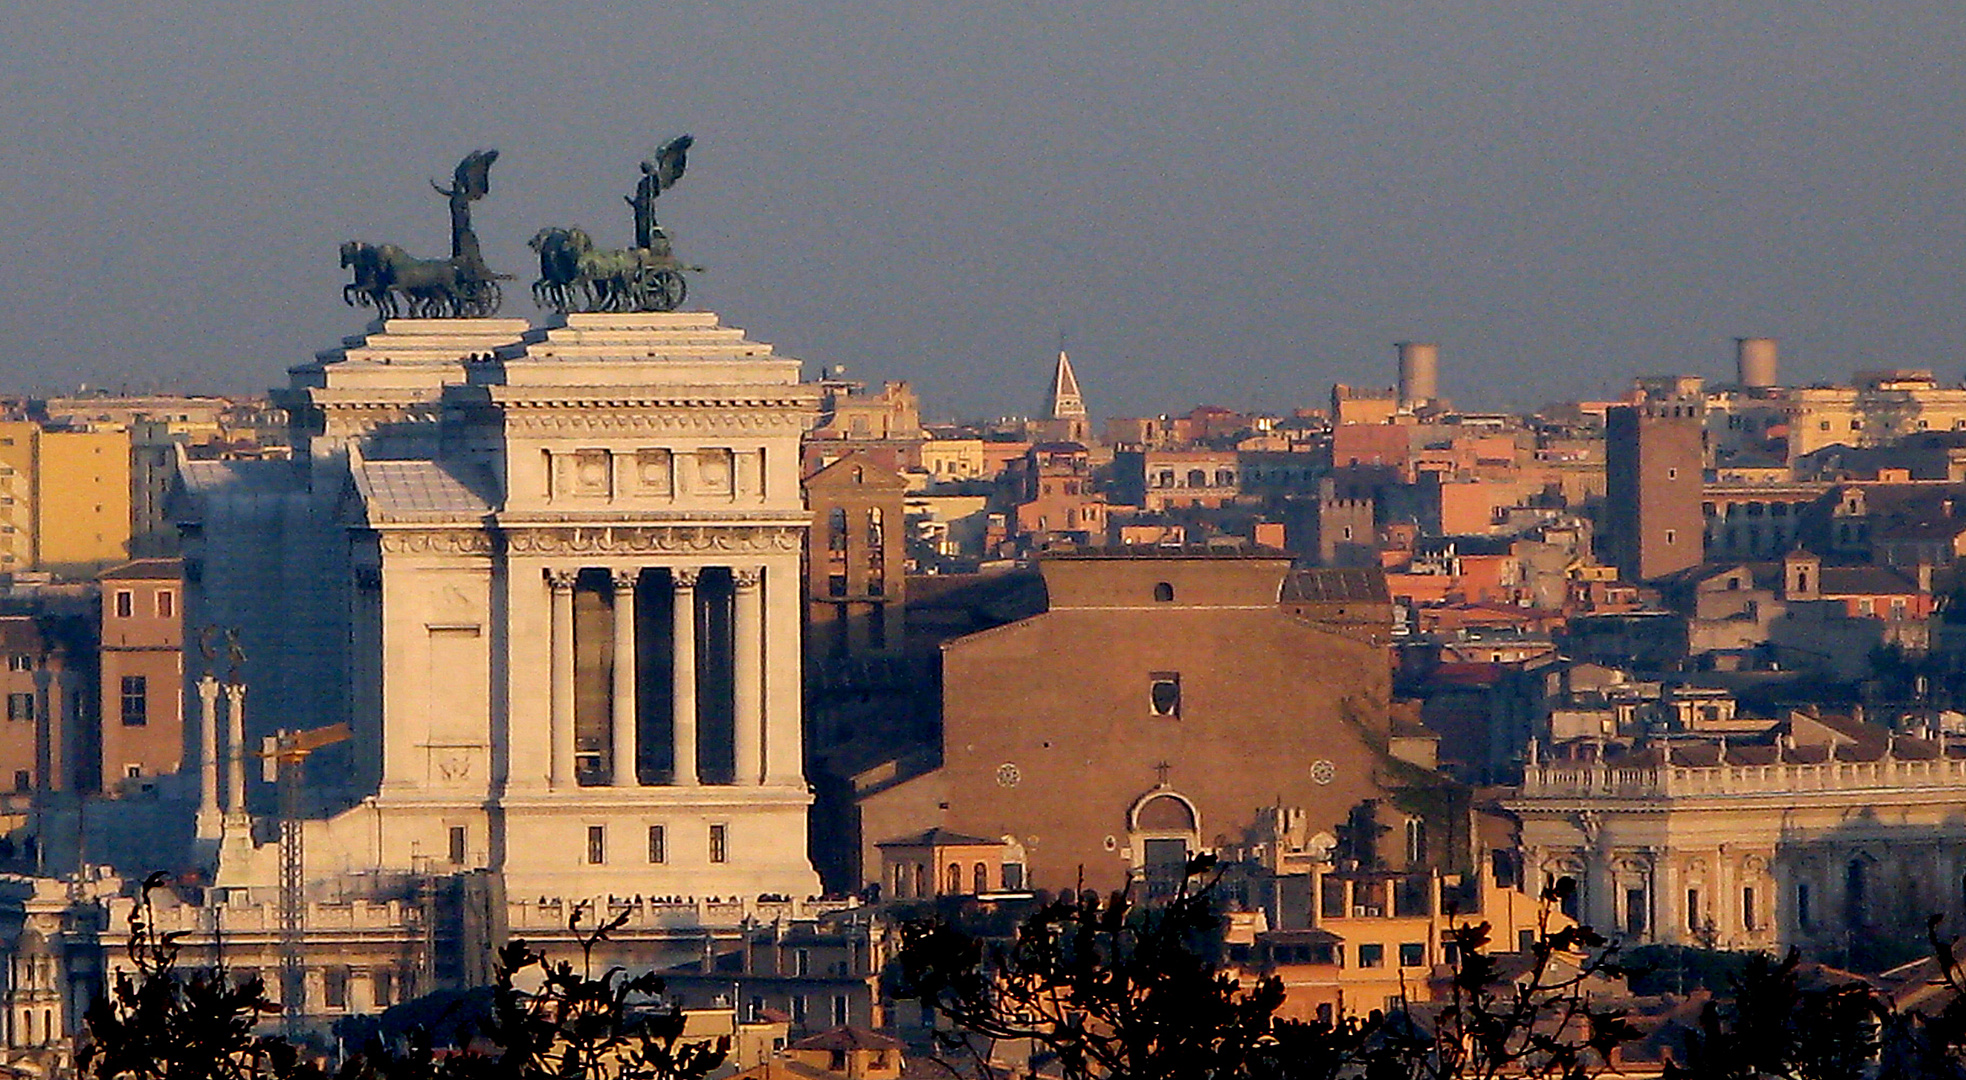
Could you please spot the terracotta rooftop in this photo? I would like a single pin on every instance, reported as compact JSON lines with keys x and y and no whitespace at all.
{"x":847,"y":1038}
{"x":939,"y":837}
{"x":1336,"y":584}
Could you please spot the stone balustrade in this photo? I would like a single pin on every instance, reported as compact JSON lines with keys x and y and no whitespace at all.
{"x":1610,"y":781}
{"x":530,"y":915}
{"x":350,"y":915}
{"x":521,"y":915}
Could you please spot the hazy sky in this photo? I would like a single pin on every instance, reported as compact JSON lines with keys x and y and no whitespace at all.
{"x":1234,"y":203}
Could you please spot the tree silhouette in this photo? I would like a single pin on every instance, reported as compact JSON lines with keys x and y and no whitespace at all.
{"x":1114,"y":990}
{"x":161,"y":1022}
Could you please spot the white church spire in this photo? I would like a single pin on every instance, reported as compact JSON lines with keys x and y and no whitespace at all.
{"x":1065,"y":403}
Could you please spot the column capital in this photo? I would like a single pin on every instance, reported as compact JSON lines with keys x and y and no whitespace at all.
{"x":747,"y":577}
{"x":685,"y":576}
{"x":561,"y":580}
{"x":236,"y":691}
{"x":624,"y":580}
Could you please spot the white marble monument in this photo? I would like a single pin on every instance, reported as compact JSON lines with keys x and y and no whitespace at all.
{"x":550,"y":578}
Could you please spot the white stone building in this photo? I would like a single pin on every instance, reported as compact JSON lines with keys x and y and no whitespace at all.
{"x":1822,"y":841}
{"x":481,"y":521}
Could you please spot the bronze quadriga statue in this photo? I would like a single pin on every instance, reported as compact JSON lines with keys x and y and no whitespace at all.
{"x":395,"y":283}
{"x":575,"y":276}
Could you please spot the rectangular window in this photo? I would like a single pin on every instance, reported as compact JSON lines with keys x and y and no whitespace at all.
{"x":1371,"y":956}
{"x":166,"y":604}
{"x":334,"y":987}
{"x":799,"y":1010}
{"x":1412,"y":954}
{"x":20,"y":662}
{"x":1672,"y":537}
{"x":136,"y":701}
{"x":802,"y":961}
{"x":1750,"y":919}
{"x":839,"y":1010}
{"x":126,"y":603}
{"x":20,"y":706}
{"x":658,"y":844}
{"x":1164,"y":693}
{"x":457,"y":839}
{"x":23,"y":780}
{"x":719,"y":848}
{"x":597,"y":844}
{"x":382,"y":986}
{"x":1693,"y":910}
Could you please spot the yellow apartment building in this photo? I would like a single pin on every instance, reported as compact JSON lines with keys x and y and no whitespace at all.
{"x":64,"y":499}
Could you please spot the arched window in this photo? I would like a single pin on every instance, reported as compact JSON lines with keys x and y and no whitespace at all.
{"x":1225,"y":478}
{"x":955,"y":879}
{"x":982,"y":878}
{"x":1163,"y":592}
{"x":875,"y":531}
{"x":1416,"y":843}
{"x":1197,"y":478}
{"x":836,"y":529}
{"x":921,"y":880}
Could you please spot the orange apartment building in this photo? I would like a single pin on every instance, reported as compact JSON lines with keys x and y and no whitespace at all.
{"x":141,"y":672}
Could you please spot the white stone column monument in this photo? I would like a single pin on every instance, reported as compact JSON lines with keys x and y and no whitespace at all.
{"x":747,"y":670}
{"x":562,"y":776}
{"x":208,"y":811}
{"x":626,"y":748}
{"x":683,"y":710}
{"x":235,"y":780}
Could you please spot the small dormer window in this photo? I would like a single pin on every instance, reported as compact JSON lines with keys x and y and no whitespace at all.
{"x":1163,"y":593}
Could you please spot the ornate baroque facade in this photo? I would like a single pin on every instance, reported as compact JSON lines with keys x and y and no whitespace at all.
{"x":1794,"y":848}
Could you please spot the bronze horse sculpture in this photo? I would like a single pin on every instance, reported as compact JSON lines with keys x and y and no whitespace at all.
{"x":395,"y":283}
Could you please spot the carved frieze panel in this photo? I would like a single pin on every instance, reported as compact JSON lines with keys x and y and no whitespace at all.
{"x":656,"y":539}
{"x":581,"y":418}
{"x":436,"y":542}
{"x":654,"y":472}
{"x":713,"y":472}
{"x":452,"y":764}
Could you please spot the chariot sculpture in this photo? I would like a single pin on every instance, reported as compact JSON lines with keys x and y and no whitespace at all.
{"x":395,"y":283}
{"x":576,"y":276}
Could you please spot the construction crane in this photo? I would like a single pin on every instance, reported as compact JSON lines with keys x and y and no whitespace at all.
{"x":285,"y":757}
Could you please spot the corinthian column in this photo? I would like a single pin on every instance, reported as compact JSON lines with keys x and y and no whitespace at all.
{"x":683,"y":708}
{"x":625,"y":749}
{"x":561,"y":736}
{"x":747,"y":669}
{"x":235,"y":777}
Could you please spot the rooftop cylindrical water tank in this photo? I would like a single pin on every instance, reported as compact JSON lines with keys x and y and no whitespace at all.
{"x":1754,"y":361}
{"x":1419,"y":372}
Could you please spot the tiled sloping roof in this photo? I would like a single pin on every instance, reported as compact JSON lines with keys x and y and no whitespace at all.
{"x":1335,"y":584}
{"x":146,"y":570}
{"x":938,"y":837}
{"x":1864,"y":581}
{"x":241,"y":477}
{"x":847,"y":1038}
{"x":420,"y":490}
